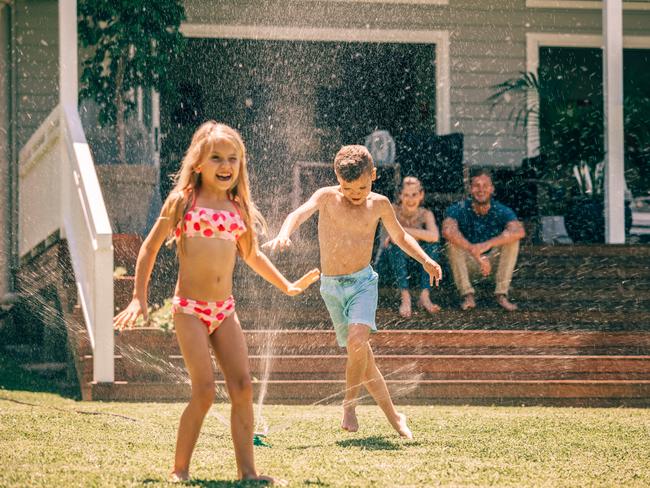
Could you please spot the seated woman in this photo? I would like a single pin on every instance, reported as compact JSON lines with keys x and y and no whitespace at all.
{"x":421,"y":224}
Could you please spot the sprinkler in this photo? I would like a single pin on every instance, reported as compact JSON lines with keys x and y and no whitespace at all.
{"x":260,"y":440}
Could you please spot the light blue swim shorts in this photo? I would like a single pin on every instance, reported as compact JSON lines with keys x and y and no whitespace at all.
{"x":350,"y":299}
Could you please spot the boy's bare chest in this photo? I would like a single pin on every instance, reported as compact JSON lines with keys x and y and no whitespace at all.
{"x":344,"y":221}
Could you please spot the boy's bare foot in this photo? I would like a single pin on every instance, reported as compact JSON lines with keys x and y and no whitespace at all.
{"x":468,"y":302}
{"x":506,"y":304}
{"x":179,"y":476}
{"x":349,"y":422}
{"x":426,"y":303}
{"x":399,"y":424}
{"x":268,"y":479}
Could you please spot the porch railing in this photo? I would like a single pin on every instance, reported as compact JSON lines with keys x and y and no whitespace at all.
{"x":59,"y":190}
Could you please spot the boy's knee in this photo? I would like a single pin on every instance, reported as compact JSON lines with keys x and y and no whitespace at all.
{"x":358,"y":338}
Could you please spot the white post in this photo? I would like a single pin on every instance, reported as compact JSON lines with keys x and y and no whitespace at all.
{"x":68,"y":78}
{"x":613,"y":121}
{"x":101,"y":306}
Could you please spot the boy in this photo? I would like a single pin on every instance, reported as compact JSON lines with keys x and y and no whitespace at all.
{"x":348,"y":217}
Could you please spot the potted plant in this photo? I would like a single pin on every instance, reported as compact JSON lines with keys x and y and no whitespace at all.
{"x":129,"y":45}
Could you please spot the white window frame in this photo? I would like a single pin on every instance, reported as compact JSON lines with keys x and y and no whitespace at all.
{"x":535,"y":40}
{"x":438,"y":37}
{"x":583,"y":4}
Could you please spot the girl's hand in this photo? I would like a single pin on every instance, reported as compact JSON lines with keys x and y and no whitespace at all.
{"x":303,"y":283}
{"x":128,"y":316}
{"x":280,"y":243}
{"x":434,"y":270}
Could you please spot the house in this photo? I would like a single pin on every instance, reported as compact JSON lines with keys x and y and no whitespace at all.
{"x":401,"y":65}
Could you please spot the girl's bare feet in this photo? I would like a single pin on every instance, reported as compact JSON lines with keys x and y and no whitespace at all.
{"x":349,"y":422}
{"x":405,"y":306}
{"x":426,"y":303}
{"x":268,"y":479}
{"x":399,"y":424}
{"x":179,"y":476}
{"x":468,"y":302}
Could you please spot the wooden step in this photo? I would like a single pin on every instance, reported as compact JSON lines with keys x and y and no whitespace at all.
{"x":487,"y":315}
{"x":562,"y":392}
{"x":172,"y":368}
{"x":287,"y":341}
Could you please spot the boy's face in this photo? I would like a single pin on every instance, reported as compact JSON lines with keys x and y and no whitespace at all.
{"x":358,"y":190}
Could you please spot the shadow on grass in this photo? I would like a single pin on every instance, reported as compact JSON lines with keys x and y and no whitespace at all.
{"x":212,"y":483}
{"x":13,"y":377}
{"x":372,"y":443}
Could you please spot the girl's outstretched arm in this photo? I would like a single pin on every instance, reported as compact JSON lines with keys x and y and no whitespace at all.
{"x":261,"y":264}
{"x":144,"y":265}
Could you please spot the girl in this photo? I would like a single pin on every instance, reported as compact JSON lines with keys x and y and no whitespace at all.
{"x":211,"y":217}
{"x":421,"y":224}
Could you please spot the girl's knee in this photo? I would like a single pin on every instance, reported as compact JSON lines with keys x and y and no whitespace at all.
{"x":241,"y":390}
{"x":203,"y":393}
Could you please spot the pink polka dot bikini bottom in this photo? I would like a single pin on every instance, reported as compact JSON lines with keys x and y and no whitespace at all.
{"x":210,"y":313}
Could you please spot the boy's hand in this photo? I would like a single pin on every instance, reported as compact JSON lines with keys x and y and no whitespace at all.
{"x":303,"y":283}
{"x":280,"y":243}
{"x":434,"y":270}
{"x":128,"y":316}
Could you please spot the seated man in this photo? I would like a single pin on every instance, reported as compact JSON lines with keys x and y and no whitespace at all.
{"x":482,"y":233}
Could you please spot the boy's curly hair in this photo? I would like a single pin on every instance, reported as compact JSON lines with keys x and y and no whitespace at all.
{"x":352,"y":161}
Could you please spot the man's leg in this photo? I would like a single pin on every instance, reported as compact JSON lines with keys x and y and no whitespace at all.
{"x":355,"y":369}
{"x":459,"y":260}
{"x":507,"y":260}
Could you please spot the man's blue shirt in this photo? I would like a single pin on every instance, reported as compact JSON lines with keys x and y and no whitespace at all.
{"x":480,"y":228}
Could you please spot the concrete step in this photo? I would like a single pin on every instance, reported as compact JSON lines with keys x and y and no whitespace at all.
{"x":550,"y":392}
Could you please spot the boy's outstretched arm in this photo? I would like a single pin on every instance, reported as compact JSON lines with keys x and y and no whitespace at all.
{"x":295,"y":220}
{"x":408,"y":243}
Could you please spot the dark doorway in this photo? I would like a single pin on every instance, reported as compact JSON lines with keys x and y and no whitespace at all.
{"x":296,"y":101}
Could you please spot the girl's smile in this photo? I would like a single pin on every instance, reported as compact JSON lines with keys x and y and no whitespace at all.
{"x":220,"y":167}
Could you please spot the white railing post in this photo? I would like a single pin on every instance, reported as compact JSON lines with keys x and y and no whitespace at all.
{"x":84,"y":220}
{"x":613,"y":121}
{"x":103,"y":355}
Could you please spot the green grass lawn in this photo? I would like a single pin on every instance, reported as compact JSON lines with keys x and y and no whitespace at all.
{"x":50,"y":440}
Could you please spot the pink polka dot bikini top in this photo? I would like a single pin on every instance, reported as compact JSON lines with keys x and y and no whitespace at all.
{"x":207,"y":222}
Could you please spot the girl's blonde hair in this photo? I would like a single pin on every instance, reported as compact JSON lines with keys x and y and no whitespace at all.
{"x":411,"y":180}
{"x":188,"y":181}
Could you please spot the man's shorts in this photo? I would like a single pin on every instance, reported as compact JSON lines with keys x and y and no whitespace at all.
{"x":350,"y":299}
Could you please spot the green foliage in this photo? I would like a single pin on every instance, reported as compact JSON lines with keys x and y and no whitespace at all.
{"x":131,"y":44}
{"x":572,"y":133}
